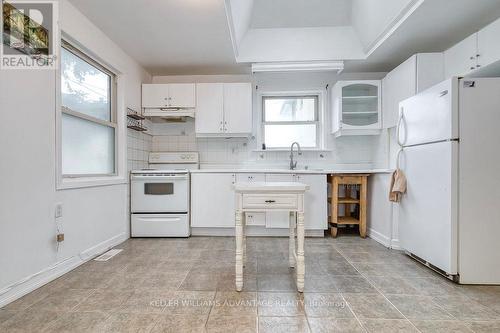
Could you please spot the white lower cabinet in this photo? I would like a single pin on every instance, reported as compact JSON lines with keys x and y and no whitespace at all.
{"x":315,"y":200}
{"x":250,"y":177}
{"x":253,"y":219}
{"x":212,"y":200}
{"x":278,"y":219}
{"x":256,"y":219}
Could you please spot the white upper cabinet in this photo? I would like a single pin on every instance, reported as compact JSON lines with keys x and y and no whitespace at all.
{"x":461,"y":59}
{"x":209,"y":109}
{"x":224,"y":109}
{"x":156,"y":96}
{"x":238,"y":108}
{"x":356,"y":108}
{"x":416,"y":74}
{"x":475,"y":52}
{"x":182,"y":95}
{"x":488,"y":42}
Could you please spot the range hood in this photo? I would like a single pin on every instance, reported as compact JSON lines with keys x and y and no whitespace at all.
{"x":175,"y":113}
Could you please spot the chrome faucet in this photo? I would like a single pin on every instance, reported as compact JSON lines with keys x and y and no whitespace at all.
{"x":293,"y":164}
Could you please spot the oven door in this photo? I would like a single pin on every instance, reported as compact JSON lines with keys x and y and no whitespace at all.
{"x":159,"y":193}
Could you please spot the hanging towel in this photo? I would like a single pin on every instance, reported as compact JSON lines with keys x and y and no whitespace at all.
{"x":398,"y":186}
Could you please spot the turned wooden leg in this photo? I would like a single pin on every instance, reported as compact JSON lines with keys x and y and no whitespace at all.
{"x":291,"y":241}
{"x":334,"y":231}
{"x":239,"y":250}
{"x":300,"y":252}
{"x":244,"y":224}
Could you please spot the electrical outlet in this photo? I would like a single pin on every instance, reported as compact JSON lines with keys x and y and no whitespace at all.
{"x":59,"y":210}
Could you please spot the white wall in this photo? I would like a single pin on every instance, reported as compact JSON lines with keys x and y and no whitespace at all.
{"x":93,"y":218}
{"x":300,"y":44}
{"x":353,"y":152}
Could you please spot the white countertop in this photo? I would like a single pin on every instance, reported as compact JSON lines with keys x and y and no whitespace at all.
{"x":287,"y":171}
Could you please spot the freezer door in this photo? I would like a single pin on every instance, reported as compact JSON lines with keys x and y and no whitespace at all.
{"x":430,"y":116}
{"x":427,"y":213}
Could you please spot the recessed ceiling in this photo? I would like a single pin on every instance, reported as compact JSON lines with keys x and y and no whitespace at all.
{"x":171,"y":37}
{"x":299,"y":13}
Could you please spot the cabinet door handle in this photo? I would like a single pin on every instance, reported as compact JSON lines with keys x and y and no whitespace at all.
{"x":270,"y":201}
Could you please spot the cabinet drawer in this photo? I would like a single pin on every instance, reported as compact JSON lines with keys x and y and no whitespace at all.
{"x":275,"y":201}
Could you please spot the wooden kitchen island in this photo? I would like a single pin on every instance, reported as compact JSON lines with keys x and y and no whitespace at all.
{"x":354,"y":192}
{"x":271,"y":196}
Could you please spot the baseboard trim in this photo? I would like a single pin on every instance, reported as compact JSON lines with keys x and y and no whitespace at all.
{"x":35,"y":281}
{"x":395,"y":244}
{"x":378,"y":237}
{"x":251,"y":231}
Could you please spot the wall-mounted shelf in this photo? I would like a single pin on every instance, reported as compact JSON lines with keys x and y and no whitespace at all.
{"x":134,"y":114}
{"x":135,"y":120}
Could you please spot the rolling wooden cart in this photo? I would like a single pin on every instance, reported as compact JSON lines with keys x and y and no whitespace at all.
{"x":348,"y":190}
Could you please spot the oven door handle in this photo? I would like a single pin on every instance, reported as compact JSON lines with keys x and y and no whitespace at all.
{"x":159,"y":177}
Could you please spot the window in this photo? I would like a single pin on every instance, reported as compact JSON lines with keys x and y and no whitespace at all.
{"x":88,"y":120}
{"x":287,"y":119}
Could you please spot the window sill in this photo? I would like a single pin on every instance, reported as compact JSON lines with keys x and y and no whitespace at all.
{"x":83,"y":182}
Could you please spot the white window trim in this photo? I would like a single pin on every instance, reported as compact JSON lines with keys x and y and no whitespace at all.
{"x":321,"y":117}
{"x":120,"y":155}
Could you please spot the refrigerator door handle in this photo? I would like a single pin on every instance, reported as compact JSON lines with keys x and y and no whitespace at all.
{"x":398,"y":128}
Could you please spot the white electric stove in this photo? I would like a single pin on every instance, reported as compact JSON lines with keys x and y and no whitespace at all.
{"x":160,"y":195}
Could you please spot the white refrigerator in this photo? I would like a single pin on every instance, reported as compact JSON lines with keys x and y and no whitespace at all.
{"x":450,"y":216}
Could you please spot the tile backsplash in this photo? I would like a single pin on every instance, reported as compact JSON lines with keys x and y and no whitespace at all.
{"x":344,"y":152}
{"x":349,"y":152}
{"x":139,"y":145}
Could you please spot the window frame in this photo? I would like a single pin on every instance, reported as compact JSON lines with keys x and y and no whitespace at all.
{"x":319,"y":116}
{"x":68,"y":181}
{"x":82,"y":116}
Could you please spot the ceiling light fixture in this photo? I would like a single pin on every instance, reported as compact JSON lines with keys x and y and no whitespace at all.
{"x":309,"y":66}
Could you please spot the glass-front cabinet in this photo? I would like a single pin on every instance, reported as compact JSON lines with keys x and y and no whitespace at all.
{"x":356,"y":108}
